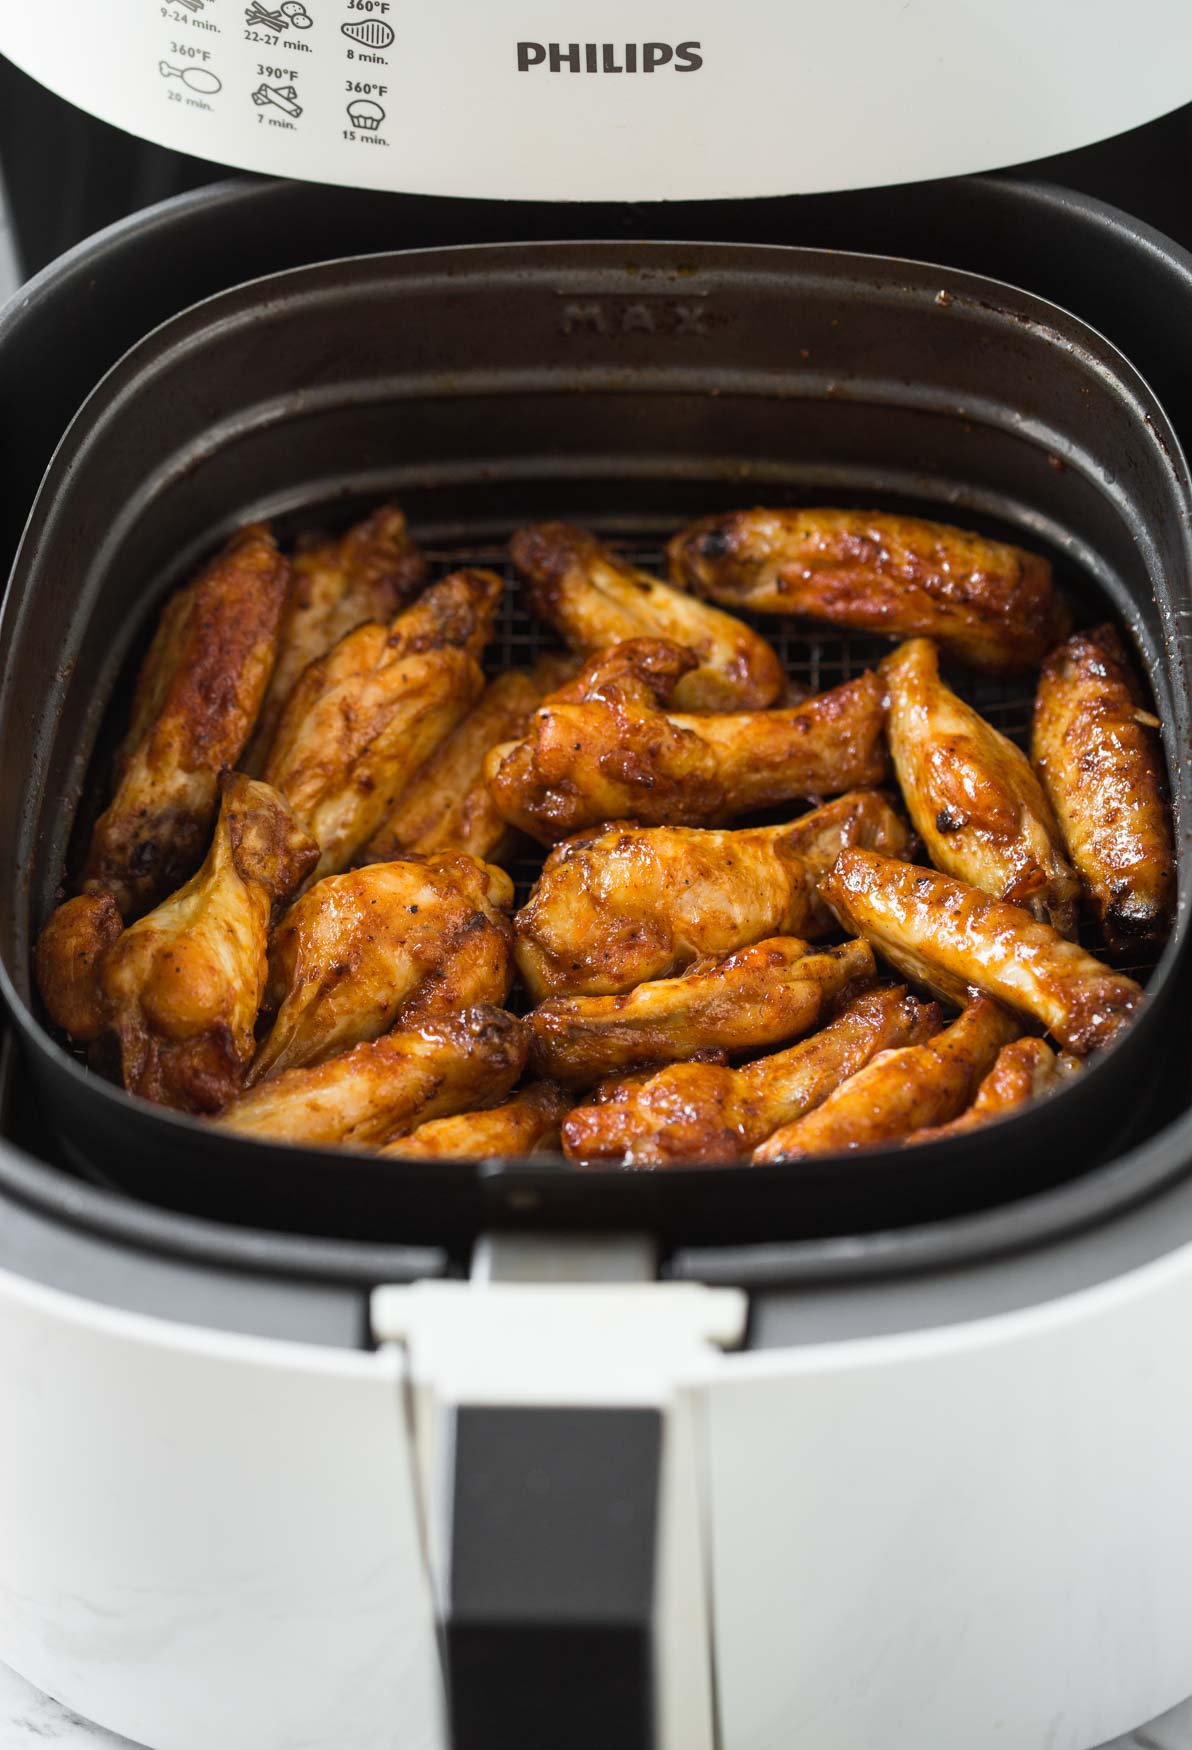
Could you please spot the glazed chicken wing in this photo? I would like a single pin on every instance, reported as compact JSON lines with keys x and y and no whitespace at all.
{"x":759,"y":996}
{"x":350,"y":956}
{"x":900,"y":1091}
{"x":389,"y":1085}
{"x":67,"y":961}
{"x":975,"y":802}
{"x":605,"y":749}
{"x":990,"y":605}
{"x":1099,"y":757}
{"x":594,"y":599}
{"x":448,"y":805}
{"x":1021,"y":1073}
{"x":364,"y":717}
{"x":526,"y":1124}
{"x":631,"y":903}
{"x":366,"y":574}
{"x":182,"y":987}
{"x":950,"y":937}
{"x":706,"y":1114}
{"x":196,"y":700}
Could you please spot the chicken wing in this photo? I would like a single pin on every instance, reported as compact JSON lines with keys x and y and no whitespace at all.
{"x":700,"y":1114}
{"x":181,"y":988}
{"x":196,"y":700}
{"x":1101,"y":763}
{"x":354,"y":951}
{"x":593,"y":599}
{"x":900,"y":1091}
{"x":448,"y":806}
{"x":526,"y":1124}
{"x":605,"y":749}
{"x":367,"y":574}
{"x":942,"y":933}
{"x":363,"y":718}
{"x":759,"y":996}
{"x":990,"y":605}
{"x":631,"y":903}
{"x":1021,"y":1073}
{"x":67,"y":961}
{"x":389,"y":1085}
{"x":972,"y":795}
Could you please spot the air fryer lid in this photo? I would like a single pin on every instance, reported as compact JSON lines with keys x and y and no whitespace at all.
{"x":484,"y":387}
{"x":472,"y":97}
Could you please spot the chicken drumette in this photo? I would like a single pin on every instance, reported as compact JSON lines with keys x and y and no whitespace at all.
{"x":604,"y":748}
{"x":707,"y":1114}
{"x":381,"y":946}
{"x":197,"y":697}
{"x":991,"y":605}
{"x":181,"y":988}
{"x":365,"y":717}
{"x":594,"y":599}
{"x":631,"y":903}
{"x":975,"y":802}
{"x":1099,"y":756}
{"x":952,"y":937}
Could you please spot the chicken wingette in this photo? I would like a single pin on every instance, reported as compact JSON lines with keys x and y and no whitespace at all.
{"x":949,"y":936}
{"x":389,"y":1085}
{"x":525,"y":1124}
{"x":367,"y":574}
{"x":197,"y":696}
{"x":67,"y":959}
{"x":902,"y":1090}
{"x":1099,"y":756}
{"x":355,"y":951}
{"x":594,"y":599}
{"x":605,"y":748}
{"x":630,"y":903}
{"x":364,"y":718}
{"x":181,"y":988}
{"x":759,"y":996}
{"x":972,"y":795}
{"x":706,"y":1114}
{"x":1022,"y":1072}
{"x":448,"y":805}
{"x":990,"y":605}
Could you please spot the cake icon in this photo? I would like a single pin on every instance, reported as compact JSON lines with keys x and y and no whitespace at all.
{"x":366,"y":115}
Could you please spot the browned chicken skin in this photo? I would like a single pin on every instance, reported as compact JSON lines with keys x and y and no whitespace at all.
{"x":630,"y":903}
{"x":975,"y":802}
{"x":526,"y":1124}
{"x":367,"y":574}
{"x":182,"y":987}
{"x":594,"y":599}
{"x":991,"y":605}
{"x":350,"y":956}
{"x":448,"y":805}
{"x":942,"y":933}
{"x":365,"y":717}
{"x":389,"y":1085}
{"x":758,"y":996}
{"x":706,"y":1114}
{"x":196,"y":700}
{"x":67,"y":960}
{"x":1100,"y":760}
{"x":902,"y":1090}
{"x":605,"y":749}
{"x":1022,"y":1072}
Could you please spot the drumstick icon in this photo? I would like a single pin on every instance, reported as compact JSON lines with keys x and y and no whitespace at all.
{"x":197,"y":78}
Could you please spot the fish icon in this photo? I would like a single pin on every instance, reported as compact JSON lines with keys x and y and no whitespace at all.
{"x":196,"y":78}
{"x":374,"y":33}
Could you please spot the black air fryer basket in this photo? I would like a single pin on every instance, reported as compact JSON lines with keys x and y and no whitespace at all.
{"x":628,"y":388}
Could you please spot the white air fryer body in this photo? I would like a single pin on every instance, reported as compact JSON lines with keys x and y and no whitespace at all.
{"x":976,"y":1533}
{"x":673,"y":102}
